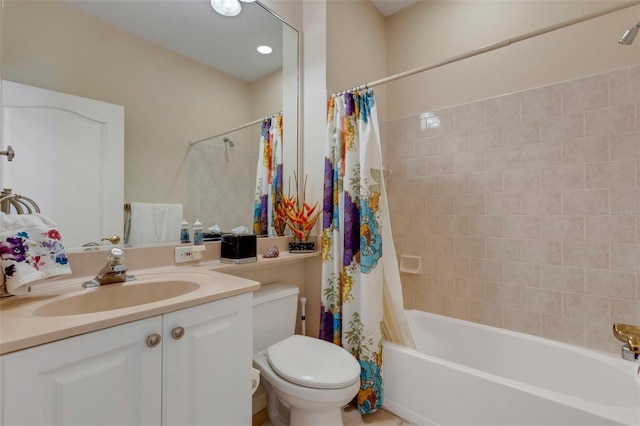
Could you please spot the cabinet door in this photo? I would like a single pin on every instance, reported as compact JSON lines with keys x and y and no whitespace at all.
{"x":108,"y":377}
{"x":207,"y":371}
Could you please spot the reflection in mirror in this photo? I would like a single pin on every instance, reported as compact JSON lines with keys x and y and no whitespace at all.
{"x":147,"y":57}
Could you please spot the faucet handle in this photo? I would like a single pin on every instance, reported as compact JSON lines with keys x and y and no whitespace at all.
{"x":629,"y":334}
{"x":115,"y":256}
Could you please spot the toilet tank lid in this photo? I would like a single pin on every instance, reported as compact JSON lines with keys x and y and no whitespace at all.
{"x":270,"y":292}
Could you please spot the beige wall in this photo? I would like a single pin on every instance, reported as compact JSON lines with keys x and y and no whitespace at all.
{"x":432,"y":31}
{"x":168,"y":99}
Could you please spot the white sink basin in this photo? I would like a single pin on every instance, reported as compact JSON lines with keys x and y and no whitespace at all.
{"x":116,"y":296}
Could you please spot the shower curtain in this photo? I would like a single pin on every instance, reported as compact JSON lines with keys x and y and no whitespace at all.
{"x":268,"y":176}
{"x":360,"y":280}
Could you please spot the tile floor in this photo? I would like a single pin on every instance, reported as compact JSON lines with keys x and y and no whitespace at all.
{"x":351,"y":417}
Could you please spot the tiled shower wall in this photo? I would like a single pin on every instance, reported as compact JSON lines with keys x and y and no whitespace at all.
{"x":524,"y":208}
{"x":221,"y":185}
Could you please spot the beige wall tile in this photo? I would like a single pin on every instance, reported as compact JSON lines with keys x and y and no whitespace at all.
{"x":521,"y":180}
{"x":542,"y":203}
{"x":521,"y":227}
{"x":503,"y":249}
{"x":625,"y":257}
{"x":585,"y":94}
{"x":465,"y":162}
{"x":503,"y":203}
{"x":541,"y":102}
{"x":610,"y":229}
{"x":588,"y":202}
{"x":563,"y":228}
{"x":594,"y":149}
{"x":625,"y":86}
{"x":487,"y":138}
{"x":542,"y":252}
{"x":485,"y":314}
{"x":456,"y":308}
{"x":503,"y":110}
{"x":563,"y":329}
{"x":542,"y":300}
{"x":453,"y":142}
{"x":453,"y":225}
{"x":562,"y":127}
{"x":485,"y":269}
{"x":614,"y":174}
{"x":486,"y":226}
{"x":471,"y":116}
{"x":584,"y":307}
{"x":615,"y":119}
{"x":485,"y":182}
{"x":504,"y":295}
{"x":471,"y":289}
{"x":625,"y":146}
{"x":521,"y":273}
{"x":522,"y":321}
{"x":625,"y":311}
{"x":615,"y":285}
{"x":439,"y":165}
{"x":469,"y":247}
{"x":563,"y":177}
{"x":562,"y":278}
{"x":469,"y":204}
{"x":521,"y":133}
{"x":586,"y":255}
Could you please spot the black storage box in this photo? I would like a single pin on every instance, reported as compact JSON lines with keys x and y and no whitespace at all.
{"x":238,"y":248}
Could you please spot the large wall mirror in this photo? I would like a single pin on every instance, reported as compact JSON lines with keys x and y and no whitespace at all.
{"x":183,"y":73}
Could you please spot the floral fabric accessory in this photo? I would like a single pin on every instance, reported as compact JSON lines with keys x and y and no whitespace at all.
{"x":31,"y":249}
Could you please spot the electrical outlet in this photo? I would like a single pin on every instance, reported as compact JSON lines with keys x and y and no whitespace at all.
{"x":184,"y":254}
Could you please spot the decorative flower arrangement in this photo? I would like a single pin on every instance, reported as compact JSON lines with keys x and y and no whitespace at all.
{"x":300,"y":217}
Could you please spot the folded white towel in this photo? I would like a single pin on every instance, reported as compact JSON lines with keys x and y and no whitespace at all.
{"x":30,"y":249}
{"x":153,"y":223}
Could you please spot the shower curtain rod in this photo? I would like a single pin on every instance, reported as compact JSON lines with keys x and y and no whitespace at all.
{"x":494,"y":46}
{"x":260,"y":120}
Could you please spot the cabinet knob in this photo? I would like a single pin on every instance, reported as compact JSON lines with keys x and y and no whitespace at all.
{"x":153,"y":340}
{"x":177,"y":333}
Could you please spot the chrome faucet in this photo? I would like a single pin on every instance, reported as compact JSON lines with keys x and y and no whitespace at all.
{"x":114,"y":271}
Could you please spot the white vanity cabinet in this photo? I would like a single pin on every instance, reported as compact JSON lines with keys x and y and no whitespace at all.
{"x":188,"y":367}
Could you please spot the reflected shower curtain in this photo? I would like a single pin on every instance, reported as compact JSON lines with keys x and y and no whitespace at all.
{"x":268,"y":176}
{"x":356,"y":271}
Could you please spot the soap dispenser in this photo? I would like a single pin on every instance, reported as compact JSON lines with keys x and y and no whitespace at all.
{"x":198,"y":236}
{"x":184,"y":232}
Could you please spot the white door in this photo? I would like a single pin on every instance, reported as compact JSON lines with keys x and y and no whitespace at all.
{"x":109,"y":377}
{"x":69,"y":159}
{"x":207,"y":370}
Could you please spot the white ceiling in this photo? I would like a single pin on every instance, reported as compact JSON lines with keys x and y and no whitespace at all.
{"x":194,"y":29}
{"x":389,"y":7}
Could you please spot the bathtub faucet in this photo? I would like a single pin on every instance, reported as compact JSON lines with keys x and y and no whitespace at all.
{"x":630,"y":336}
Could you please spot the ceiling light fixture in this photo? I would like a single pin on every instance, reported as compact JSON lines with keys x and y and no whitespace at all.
{"x":265,"y":50}
{"x":226,"y":7}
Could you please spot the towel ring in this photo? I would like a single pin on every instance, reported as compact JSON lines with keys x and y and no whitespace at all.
{"x":22,"y":205}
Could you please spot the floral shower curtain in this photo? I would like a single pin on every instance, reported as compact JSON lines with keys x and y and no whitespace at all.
{"x":268,"y":177}
{"x":356,"y":272}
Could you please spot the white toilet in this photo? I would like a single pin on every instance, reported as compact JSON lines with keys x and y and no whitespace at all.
{"x":307,"y":380}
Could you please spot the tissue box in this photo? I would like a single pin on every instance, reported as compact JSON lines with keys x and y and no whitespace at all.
{"x":238,"y":248}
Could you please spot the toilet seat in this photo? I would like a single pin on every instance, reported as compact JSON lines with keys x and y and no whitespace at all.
{"x":313,"y":363}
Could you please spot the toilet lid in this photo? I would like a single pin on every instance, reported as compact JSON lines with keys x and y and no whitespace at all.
{"x":313,"y":363}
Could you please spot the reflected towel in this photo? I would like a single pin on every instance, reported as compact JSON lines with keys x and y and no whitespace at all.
{"x":152,"y":223}
{"x":30,"y":250}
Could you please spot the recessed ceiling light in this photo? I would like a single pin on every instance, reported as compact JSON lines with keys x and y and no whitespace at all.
{"x":226,"y":7}
{"x":265,"y":50}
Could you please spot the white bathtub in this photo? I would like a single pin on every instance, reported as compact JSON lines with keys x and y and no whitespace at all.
{"x":464,"y":373}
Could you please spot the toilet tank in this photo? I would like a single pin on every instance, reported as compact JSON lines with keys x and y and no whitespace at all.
{"x":274,"y":314}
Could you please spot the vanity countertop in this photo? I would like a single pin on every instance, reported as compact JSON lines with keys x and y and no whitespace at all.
{"x":22,"y":324}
